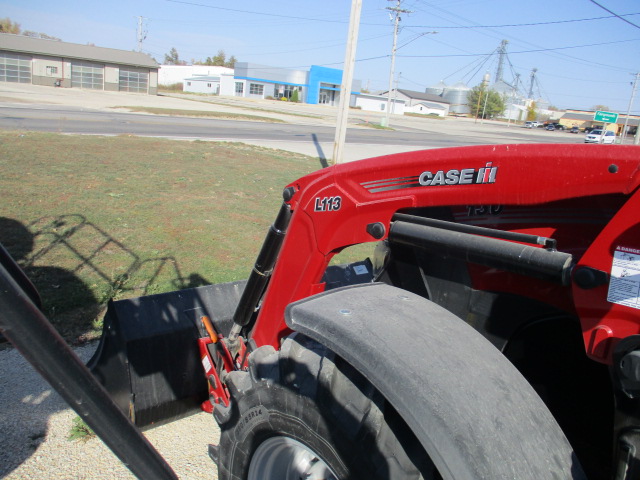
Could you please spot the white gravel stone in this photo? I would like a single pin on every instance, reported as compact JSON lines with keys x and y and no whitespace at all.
{"x":35,"y":424}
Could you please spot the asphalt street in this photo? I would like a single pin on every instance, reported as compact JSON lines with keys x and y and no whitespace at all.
{"x":307,"y":129}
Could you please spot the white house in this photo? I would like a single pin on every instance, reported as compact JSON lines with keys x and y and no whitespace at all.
{"x":170,"y":74}
{"x":378,"y":103}
{"x":202,"y":84}
{"x":420,"y":102}
{"x":428,"y":108}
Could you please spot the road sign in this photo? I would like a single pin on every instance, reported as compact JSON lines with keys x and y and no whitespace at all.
{"x":605,"y":117}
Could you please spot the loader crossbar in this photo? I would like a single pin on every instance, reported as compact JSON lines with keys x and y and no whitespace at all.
{"x":484,"y":246}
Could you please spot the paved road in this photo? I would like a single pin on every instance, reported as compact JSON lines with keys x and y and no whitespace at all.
{"x":311,"y":134}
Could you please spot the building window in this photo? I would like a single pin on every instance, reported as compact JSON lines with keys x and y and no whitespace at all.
{"x":256,"y":89}
{"x":285,"y":91}
{"x":87,"y":75}
{"x":51,"y":71}
{"x":208,"y":85}
{"x":15,"y":68}
{"x":133,"y":80}
{"x":188,"y":84}
{"x":239,"y":88}
{"x":382,"y":107}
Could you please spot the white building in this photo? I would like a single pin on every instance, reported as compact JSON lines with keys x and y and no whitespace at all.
{"x":378,"y":103}
{"x":422,"y":103}
{"x":202,"y":84}
{"x":429,"y":108}
{"x":171,"y":74}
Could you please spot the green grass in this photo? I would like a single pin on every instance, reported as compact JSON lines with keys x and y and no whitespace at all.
{"x":375,"y":126}
{"x":216,"y":100}
{"x":201,"y":113}
{"x":430,"y":116}
{"x":92,"y":218}
{"x":80,"y":430}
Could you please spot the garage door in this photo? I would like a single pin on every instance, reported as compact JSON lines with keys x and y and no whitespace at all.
{"x":15,"y":68}
{"x":133,"y":80}
{"x":87,"y":75}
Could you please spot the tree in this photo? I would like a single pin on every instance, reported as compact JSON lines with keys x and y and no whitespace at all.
{"x":295,"y":97}
{"x":31,"y":33}
{"x":7,"y":26}
{"x":220,"y":59}
{"x":531,"y":112}
{"x":601,"y":108}
{"x":485,"y":103}
{"x":172,"y":58}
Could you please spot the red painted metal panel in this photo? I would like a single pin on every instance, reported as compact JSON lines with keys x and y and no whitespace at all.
{"x":543,"y":186}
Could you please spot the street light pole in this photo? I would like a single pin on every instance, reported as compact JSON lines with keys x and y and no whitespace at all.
{"x":396,"y":11}
{"x":626,"y":122}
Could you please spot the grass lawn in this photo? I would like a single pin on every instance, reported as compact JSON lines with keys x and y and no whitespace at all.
{"x":91,"y":218}
{"x":201,"y":113}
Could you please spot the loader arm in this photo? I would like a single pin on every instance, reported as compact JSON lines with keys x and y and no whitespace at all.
{"x":355,"y":203}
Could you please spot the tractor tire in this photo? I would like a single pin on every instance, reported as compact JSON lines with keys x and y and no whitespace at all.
{"x":302,"y":412}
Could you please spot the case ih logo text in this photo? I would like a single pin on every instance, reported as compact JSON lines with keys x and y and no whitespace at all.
{"x":465,"y":176}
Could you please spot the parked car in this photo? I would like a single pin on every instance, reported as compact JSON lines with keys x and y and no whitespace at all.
{"x":532,"y":124}
{"x":550,"y":126}
{"x":574,"y":129}
{"x":559,"y":126}
{"x":596,"y":136}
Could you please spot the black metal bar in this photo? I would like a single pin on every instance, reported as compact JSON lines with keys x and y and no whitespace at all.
{"x":31,"y":333}
{"x":487,"y":232}
{"x":490,"y":252}
{"x":261,"y":273}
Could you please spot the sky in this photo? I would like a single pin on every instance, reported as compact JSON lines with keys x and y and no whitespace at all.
{"x":586,"y":52}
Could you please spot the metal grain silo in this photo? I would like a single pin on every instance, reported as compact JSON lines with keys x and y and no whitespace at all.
{"x":437,"y":89}
{"x":456,"y":95}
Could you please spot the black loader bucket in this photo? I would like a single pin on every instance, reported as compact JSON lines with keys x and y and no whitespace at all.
{"x":148,"y":358}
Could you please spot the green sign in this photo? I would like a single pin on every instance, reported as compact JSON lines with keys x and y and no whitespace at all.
{"x":605,"y":117}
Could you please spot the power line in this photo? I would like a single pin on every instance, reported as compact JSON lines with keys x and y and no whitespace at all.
{"x":614,"y":14}
{"x":534,"y":24}
{"x":521,"y":51}
{"x":266,"y":14}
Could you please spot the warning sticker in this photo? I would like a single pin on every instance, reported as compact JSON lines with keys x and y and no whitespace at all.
{"x":624,"y":287}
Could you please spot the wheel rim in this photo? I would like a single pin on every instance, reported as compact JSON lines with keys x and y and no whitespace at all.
{"x":287,"y":459}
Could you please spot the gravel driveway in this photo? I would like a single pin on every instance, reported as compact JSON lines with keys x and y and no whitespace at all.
{"x":35,"y":424}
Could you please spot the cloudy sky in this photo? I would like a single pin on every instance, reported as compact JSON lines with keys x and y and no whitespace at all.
{"x":586,"y":52}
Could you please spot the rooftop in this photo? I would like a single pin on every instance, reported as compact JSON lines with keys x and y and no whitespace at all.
{"x":24,"y":44}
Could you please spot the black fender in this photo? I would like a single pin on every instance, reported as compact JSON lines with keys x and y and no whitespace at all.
{"x":471,"y":410}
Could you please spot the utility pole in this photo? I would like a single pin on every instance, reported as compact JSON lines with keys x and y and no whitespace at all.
{"x":395,"y":92}
{"x":141,"y":34}
{"x":626,"y":122}
{"x":396,"y":11}
{"x":347,"y":79}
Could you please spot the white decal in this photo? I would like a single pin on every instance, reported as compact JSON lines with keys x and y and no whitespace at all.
{"x":206,"y":364}
{"x":360,"y":270}
{"x":624,"y":287}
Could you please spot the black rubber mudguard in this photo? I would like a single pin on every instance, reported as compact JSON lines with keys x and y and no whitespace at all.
{"x":472,"y":411}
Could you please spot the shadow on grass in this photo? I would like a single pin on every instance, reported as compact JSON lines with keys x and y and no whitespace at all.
{"x":77,"y":267}
{"x":61,"y":255}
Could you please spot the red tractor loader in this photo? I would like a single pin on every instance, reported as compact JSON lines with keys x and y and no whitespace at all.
{"x":493,"y":332}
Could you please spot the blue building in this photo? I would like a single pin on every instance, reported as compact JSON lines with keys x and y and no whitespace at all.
{"x":319,"y":85}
